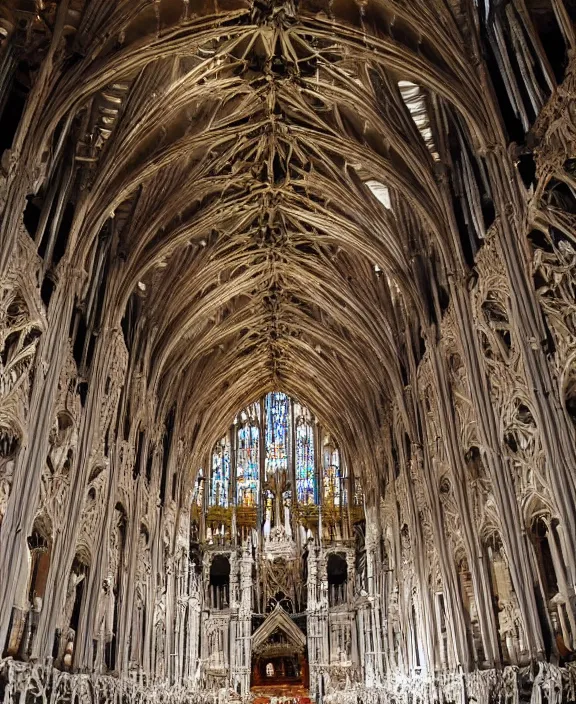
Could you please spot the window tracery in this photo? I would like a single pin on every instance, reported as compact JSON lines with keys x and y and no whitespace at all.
{"x":397,"y":224}
{"x":247,"y":458}
{"x":306,"y":489}
{"x":220,"y":482}
{"x":334,"y":476}
{"x":277,"y":432}
{"x":273,"y":470}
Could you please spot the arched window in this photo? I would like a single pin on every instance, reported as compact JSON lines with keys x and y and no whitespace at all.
{"x":334,"y":476}
{"x":305,"y":473}
{"x":248,"y":459}
{"x":279,"y":462}
{"x":220,"y":484}
{"x":277,"y":433}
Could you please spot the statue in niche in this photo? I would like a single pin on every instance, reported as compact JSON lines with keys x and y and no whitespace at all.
{"x":31,"y":628}
{"x":67,"y":633}
{"x":194,"y":584}
{"x":137,"y":622}
{"x":508,"y":621}
{"x":105,"y":618}
{"x":394,"y":614}
{"x":287,"y":500}
{"x":278,"y":485}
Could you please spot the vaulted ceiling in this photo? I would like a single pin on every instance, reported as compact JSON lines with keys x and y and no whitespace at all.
{"x":260,"y":188}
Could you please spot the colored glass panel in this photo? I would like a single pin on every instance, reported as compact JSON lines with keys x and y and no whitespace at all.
{"x":305,"y":474}
{"x":220,"y":484}
{"x":277,"y":432}
{"x":334,"y":482}
{"x":248,"y":457}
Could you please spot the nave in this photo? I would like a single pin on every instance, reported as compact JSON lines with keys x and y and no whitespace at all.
{"x":287,"y":351}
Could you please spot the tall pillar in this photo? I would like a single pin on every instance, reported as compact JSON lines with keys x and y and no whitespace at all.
{"x":191,"y":672}
{"x":318,"y":644}
{"x":372,"y":631}
{"x":241,"y":628}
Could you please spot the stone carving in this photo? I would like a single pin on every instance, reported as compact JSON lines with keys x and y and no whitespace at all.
{"x":370,"y":206}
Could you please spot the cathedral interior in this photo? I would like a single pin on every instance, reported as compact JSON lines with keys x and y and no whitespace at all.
{"x":287,"y":351}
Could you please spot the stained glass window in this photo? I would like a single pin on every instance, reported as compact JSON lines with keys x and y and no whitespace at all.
{"x":247,"y":463}
{"x":305,"y":474}
{"x":334,"y":479}
{"x":277,"y":432}
{"x":289,"y":444}
{"x":220,"y":484}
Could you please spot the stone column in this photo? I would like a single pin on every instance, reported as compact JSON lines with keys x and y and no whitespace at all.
{"x":318,"y":644}
{"x":241,"y":628}
{"x":181,"y":608}
{"x":191,"y":672}
{"x":372,"y":632}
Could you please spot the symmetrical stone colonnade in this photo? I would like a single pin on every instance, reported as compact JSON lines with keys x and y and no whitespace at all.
{"x":369,"y":205}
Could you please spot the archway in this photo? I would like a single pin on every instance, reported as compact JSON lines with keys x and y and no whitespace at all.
{"x":279,"y":662}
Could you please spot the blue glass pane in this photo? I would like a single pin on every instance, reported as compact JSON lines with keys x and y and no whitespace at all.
{"x":247,"y":465}
{"x":305,"y":474}
{"x":277,"y":432}
{"x":220,"y":484}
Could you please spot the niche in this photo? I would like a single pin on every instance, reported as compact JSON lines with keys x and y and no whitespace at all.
{"x":219,"y":583}
{"x":60,"y":456}
{"x":337,"y":571}
{"x":504,"y":602}
{"x":497,"y":318}
{"x":9,"y":446}
{"x":39,"y":566}
{"x":474,"y":633}
{"x":72,"y":611}
{"x":474,"y":463}
{"x":440,"y":609}
{"x":519,"y":435}
{"x":539,"y":537}
{"x":526,"y":166}
{"x":560,"y":195}
{"x":114,"y":586}
{"x":547,"y":548}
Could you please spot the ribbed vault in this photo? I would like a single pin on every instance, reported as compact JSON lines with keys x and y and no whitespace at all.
{"x":234,"y":155}
{"x":369,"y":205}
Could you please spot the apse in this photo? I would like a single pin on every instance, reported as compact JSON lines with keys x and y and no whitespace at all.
{"x":287,"y":351}
{"x":276,"y":474}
